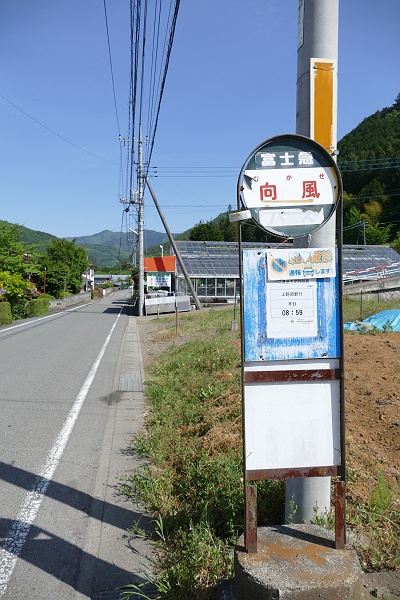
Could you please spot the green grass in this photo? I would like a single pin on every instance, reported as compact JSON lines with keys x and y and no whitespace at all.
{"x":379,"y":520}
{"x":192,"y":480}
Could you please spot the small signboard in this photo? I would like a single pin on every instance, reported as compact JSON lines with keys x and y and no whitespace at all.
{"x":290,"y":184}
{"x":292,"y":309}
{"x":300,"y":263}
{"x":159,"y":280}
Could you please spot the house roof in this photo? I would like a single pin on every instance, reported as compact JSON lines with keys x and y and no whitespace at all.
{"x":160,"y":264}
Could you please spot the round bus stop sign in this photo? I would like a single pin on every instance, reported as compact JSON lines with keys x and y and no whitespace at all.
{"x":290,"y":184}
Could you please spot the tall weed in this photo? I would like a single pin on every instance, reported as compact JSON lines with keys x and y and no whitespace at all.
{"x":379,"y":521}
{"x":192,"y":480}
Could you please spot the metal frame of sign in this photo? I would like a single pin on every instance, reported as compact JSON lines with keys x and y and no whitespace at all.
{"x":290,"y":184}
{"x":280,"y":375}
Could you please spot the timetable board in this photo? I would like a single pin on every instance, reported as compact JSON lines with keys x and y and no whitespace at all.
{"x":288,"y":319}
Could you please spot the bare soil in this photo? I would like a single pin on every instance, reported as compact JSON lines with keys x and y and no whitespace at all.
{"x":372,"y":396}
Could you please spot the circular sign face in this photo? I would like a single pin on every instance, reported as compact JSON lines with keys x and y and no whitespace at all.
{"x":290,"y":184}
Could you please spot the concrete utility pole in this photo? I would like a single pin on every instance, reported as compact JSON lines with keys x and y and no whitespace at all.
{"x":141,"y":226}
{"x":316,"y":106}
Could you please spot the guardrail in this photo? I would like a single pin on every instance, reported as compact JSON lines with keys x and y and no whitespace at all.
{"x":167,"y":304}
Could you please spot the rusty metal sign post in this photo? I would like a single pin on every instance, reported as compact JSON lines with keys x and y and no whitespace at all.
{"x":292,"y":334}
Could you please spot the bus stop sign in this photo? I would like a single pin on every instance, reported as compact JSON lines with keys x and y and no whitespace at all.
{"x":290,"y":184}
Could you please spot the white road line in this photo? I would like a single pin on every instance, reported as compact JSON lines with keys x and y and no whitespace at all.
{"x":19,"y":530}
{"x":56,"y":314}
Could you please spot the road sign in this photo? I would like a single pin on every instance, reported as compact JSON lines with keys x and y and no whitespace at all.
{"x":290,"y":184}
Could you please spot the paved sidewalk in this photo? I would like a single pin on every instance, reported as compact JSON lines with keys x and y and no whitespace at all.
{"x":108,"y":540}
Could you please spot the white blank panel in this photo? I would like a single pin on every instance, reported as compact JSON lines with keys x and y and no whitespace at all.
{"x":292,"y":424}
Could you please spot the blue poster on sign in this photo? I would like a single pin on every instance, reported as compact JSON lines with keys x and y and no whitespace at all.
{"x":288,"y":319}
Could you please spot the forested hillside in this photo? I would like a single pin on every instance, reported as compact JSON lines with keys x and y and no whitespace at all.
{"x":39,"y":239}
{"x":369,"y":160}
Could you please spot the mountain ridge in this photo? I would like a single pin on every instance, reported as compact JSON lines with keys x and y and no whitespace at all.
{"x":106,"y":248}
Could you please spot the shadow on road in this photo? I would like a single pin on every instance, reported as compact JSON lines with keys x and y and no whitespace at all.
{"x":60,"y":558}
{"x":64,"y":560}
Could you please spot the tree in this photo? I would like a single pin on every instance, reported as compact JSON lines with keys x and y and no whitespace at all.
{"x":353,"y":226}
{"x":229,"y":230}
{"x":252,"y":233}
{"x":368,"y":157}
{"x":206,"y":232}
{"x":372,"y":211}
{"x":396,"y":243}
{"x":15,"y":256}
{"x":64,"y":263}
{"x":396,"y":104}
{"x":377,"y":234}
{"x":17,"y":291}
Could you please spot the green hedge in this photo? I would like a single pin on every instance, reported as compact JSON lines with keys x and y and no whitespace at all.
{"x":5,"y":313}
{"x":37,"y":307}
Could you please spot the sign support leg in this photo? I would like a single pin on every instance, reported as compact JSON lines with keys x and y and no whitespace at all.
{"x":340,"y":515}
{"x":251,"y":519}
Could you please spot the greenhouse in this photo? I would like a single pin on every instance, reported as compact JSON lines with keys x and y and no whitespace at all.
{"x":213,"y":267}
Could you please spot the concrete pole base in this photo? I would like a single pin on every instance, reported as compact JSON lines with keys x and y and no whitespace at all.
{"x":296,"y":562}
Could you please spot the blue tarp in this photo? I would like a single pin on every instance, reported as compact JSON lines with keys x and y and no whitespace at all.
{"x":387,"y":320}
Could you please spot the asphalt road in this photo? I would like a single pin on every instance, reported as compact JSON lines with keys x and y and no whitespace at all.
{"x":65,"y":424}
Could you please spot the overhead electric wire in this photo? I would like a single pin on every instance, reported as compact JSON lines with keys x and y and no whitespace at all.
{"x":166,"y":65}
{"x":155,"y":88}
{"x":145,"y":76}
{"x":142,"y":68}
{"x":169,"y":171}
{"x":154,"y":57}
{"x":369,"y":164}
{"x":111,"y":66}
{"x":121,"y":178}
{"x":55,"y":133}
{"x":135,"y":14}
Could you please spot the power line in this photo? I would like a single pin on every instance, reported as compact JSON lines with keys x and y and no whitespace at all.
{"x":55,"y":133}
{"x":154,"y":60}
{"x":171,"y":40}
{"x":347,"y":167}
{"x":372,"y":164}
{"x":142,"y":68}
{"x":111,"y":65}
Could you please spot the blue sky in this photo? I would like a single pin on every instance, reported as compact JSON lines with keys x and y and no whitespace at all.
{"x":231,"y":84}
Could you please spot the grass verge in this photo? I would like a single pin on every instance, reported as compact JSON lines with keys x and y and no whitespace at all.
{"x":191,"y":481}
